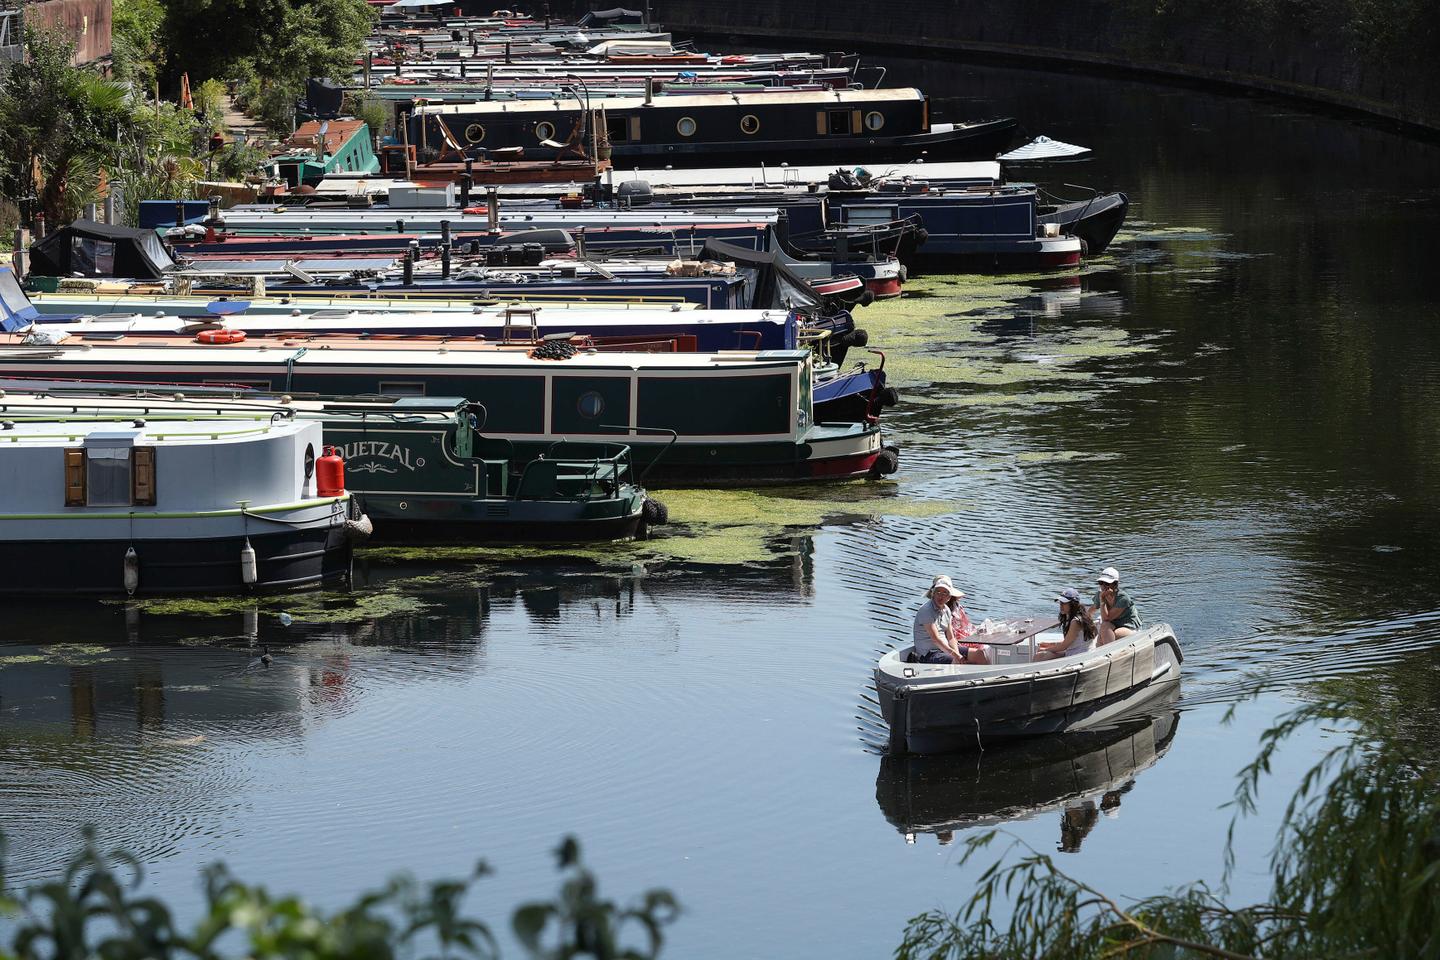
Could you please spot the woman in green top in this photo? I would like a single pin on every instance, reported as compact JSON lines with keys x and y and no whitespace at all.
{"x":1118,"y":616}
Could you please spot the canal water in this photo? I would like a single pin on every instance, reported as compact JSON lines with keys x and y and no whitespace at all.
{"x":1238,"y":406}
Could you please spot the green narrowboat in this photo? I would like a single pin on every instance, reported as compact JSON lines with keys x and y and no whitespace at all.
{"x":734,"y":417}
{"x":319,"y":148}
{"x":427,"y":474}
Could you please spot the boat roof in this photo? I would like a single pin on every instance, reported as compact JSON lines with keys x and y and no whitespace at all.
{"x":679,"y":101}
{"x":161,"y":351}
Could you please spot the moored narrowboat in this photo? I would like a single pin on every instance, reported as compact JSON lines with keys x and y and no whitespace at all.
{"x":736,"y":416}
{"x":869,"y":124}
{"x":100,"y":501}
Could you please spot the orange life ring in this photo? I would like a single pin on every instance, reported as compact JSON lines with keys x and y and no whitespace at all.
{"x":220,"y":336}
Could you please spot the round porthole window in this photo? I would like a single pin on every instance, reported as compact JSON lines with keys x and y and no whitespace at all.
{"x":750,"y":124}
{"x":475,"y":133}
{"x":685,"y":126}
{"x":874,"y":120}
{"x":590,"y":405}
{"x":544,"y":130}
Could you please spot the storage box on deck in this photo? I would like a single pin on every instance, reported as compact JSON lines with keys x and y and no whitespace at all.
{"x":422,"y":198}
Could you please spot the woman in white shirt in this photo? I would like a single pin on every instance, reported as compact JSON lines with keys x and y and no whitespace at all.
{"x":1077,"y":629}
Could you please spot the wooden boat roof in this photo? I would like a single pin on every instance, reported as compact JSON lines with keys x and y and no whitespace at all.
{"x":337,"y":134}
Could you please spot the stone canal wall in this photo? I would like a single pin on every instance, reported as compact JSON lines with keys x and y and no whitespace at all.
{"x":1190,"y":41}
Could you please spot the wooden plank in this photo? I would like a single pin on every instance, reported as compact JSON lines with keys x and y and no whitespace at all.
{"x":1121,"y":662}
{"x":1144,"y":664}
{"x":1091,"y":682}
{"x":1050,"y":694}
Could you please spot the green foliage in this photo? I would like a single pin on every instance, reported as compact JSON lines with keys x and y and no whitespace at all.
{"x":270,"y":46}
{"x":55,"y":121}
{"x":236,"y":161}
{"x":375,"y":112}
{"x":137,"y":41}
{"x":95,"y":910}
{"x":209,"y":97}
{"x":1356,"y":872}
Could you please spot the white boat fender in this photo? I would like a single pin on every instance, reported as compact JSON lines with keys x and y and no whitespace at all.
{"x":132,"y":571}
{"x":248,"y":571}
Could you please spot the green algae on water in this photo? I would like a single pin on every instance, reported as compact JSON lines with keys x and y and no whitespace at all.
{"x":709,"y":527}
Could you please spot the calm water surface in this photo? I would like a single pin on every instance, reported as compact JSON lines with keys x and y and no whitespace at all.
{"x":1238,"y":406}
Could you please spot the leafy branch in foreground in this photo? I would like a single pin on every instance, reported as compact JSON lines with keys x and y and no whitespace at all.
{"x":95,"y":910}
{"x":1356,"y":873}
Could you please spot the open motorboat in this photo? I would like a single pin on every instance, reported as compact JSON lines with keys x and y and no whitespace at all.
{"x":934,"y":708}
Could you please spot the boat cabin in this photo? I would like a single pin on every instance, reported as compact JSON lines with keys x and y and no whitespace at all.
{"x":319,"y":148}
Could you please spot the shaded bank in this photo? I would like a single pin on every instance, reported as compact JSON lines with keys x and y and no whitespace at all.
{"x":1328,"y":52}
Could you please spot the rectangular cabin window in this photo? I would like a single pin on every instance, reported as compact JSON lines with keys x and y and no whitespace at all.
{"x":117,"y":476}
{"x":402,"y":388}
{"x":837,"y":122}
{"x":94,"y":258}
{"x":108,"y":482}
{"x":617,"y":129}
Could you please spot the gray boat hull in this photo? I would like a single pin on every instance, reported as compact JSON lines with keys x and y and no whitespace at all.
{"x":939,"y":709}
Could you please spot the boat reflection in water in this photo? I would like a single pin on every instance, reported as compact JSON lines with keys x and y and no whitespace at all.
{"x":1081,"y":774}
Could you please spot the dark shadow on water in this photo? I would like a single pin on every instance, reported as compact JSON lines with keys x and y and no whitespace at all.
{"x":1080,"y":774}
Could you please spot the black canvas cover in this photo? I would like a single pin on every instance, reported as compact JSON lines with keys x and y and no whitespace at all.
{"x":776,"y":285}
{"x":610,"y":17}
{"x":90,"y":249}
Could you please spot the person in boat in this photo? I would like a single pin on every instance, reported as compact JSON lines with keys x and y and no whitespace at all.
{"x":960,"y":622}
{"x":934,"y":628}
{"x":1077,"y":630}
{"x":1117,"y":613}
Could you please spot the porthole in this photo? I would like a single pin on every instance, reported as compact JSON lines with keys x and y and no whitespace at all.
{"x":544,"y":130}
{"x":685,"y":126}
{"x":874,"y":120}
{"x":590,"y":405}
{"x":750,"y":124}
{"x":475,"y":133}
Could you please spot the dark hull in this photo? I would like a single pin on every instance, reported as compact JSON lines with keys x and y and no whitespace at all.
{"x":451,"y":521}
{"x":1094,"y":221}
{"x":291,"y":560}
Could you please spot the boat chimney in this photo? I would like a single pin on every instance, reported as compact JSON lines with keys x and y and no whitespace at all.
{"x":445,"y":249}
{"x":466,"y":180}
{"x":507,"y":51}
{"x":462,"y":69}
{"x":492,"y":208}
{"x":179,"y":213}
{"x":649,"y":91}
{"x":399,"y":226}
{"x":489,"y":78}
{"x":579,"y":243}
{"x":411,"y":253}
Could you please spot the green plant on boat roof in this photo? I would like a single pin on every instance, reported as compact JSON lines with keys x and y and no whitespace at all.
{"x":97,"y":908}
{"x":1356,"y":873}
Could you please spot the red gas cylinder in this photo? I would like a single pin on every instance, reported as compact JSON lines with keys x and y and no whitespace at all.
{"x":330,"y":474}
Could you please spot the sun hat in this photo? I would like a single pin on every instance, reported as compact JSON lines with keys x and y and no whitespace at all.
{"x":944,"y":581}
{"x":1069,"y":595}
{"x":1108,"y":575}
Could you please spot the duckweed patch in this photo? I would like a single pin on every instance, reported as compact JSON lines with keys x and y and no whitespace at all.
{"x":17,"y":659}
{"x":708,"y":527}
{"x":306,"y":608}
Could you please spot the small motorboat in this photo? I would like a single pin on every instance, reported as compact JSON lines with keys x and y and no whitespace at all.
{"x":936,"y":708}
